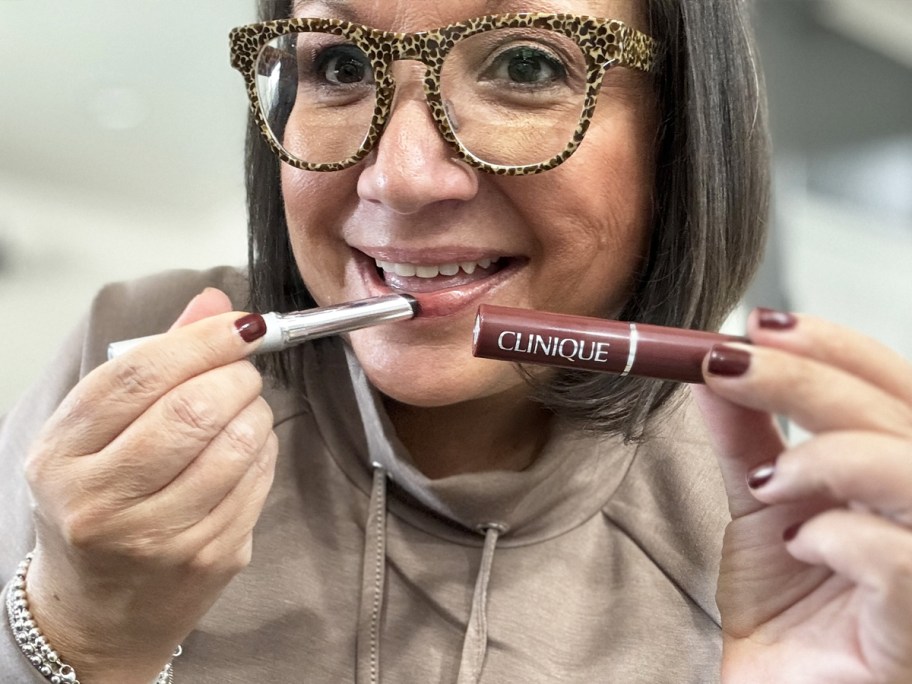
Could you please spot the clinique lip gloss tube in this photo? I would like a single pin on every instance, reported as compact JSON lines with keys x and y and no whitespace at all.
{"x":593,"y":344}
{"x":289,"y":329}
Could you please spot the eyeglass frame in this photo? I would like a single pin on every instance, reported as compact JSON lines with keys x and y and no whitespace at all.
{"x":604,"y":43}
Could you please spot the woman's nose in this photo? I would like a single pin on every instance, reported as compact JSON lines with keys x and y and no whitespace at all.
{"x":412,"y":166}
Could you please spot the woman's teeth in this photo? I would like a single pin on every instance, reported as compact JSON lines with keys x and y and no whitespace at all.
{"x":405,"y":270}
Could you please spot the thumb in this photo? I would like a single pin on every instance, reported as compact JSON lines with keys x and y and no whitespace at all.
{"x":743,"y":439}
{"x":209,"y":302}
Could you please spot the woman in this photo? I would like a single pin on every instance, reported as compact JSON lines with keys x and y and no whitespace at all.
{"x":425,"y":516}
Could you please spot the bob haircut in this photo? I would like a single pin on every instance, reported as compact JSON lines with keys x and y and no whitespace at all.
{"x":710,"y":207}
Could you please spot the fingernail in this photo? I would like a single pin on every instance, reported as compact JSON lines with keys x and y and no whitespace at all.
{"x":771,"y":319}
{"x":251,"y":327}
{"x":727,"y":361}
{"x":791,"y":532}
{"x":760,"y":475}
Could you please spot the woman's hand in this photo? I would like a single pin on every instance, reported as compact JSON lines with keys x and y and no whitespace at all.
{"x":147,"y":481}
{"x":816,"y":577}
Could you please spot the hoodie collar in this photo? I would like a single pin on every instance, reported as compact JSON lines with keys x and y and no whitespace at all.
{"x":570,"y":481}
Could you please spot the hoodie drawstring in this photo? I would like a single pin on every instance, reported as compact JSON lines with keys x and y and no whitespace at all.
{"x":372,"y":584}
{"x":373,"y":578}
{"x":475,"y":643}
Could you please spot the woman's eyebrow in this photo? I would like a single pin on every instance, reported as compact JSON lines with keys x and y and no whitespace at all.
{"x":338,"y":9}
{"x":545,"y":6}
{"x":342,"y":9}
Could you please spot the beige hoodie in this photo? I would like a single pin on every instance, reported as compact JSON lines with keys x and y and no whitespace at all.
{"x":596,"y":564}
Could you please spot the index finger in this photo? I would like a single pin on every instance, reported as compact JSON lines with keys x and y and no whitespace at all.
{"x":114,"y":394}
{"x":834,"y":345}
{"x":817,"y":396}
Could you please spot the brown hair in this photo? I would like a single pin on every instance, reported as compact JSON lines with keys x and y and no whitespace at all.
{"x":711,"y":204}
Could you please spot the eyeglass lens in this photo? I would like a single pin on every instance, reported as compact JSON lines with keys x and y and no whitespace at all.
{"x":513,"y":97}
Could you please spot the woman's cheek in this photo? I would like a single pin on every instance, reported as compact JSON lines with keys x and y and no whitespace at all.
{"x":315,"y":208}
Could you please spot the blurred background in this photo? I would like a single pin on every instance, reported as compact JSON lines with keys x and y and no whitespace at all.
{"x":121,"y":138}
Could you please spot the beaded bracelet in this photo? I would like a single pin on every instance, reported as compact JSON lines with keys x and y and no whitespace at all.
{"x":33,"y":643}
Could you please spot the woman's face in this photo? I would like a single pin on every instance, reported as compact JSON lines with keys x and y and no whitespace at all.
{"x":567,"y":240}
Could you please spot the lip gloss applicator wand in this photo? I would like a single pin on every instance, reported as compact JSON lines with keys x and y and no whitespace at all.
{"x":289,"y":329}
{"x":594,"y":344}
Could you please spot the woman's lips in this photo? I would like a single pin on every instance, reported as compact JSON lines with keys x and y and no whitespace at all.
{"x":441,"y":294}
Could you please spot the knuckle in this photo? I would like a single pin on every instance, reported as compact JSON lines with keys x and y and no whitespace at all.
{"x":265,"y":464}
{"x":194,"y":414}
{"x":94,"y":531}
{"x":245,"y":376}
{"x":36,"y":468}
{"x":140,"y":548}
{"x":81,"y":529}
{"x":244,"y":555}
{"x":136,"y":377}
{"x":216,"y":561}
{"x":250,"y":430}
{"x":236,"y":558}
{"x":245,"y":437}
{"x":264,"y":411}
{"x":252,"y":376}
{"x":74,"y":412}
{"x":203,"y":564}
{"x":144,"y":545}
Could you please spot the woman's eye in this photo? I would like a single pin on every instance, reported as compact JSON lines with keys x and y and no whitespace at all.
{"x":346,"y":65}
{"x":526,"y":66}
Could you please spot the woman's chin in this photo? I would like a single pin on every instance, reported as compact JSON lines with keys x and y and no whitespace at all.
{"x":423,"y":383}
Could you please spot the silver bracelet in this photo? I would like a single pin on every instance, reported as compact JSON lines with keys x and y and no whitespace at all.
{"x":34,"y":645}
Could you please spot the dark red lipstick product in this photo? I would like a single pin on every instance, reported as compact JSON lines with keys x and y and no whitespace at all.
{"x":594,"y":344}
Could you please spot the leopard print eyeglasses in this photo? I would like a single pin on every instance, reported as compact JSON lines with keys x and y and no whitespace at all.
{"x":513,"y":94}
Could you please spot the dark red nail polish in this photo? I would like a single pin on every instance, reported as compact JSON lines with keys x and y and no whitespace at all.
{"x":251,"y":327}
{"x":791,"y":532}
{"x":770,"y":319}
{"x":728,"y":361}
{"x":760,"y":475}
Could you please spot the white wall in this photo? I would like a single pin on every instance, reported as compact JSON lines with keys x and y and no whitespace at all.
{"x":60,"y":246}
{"x":850,"y":267}
{"x":121,"y":138}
